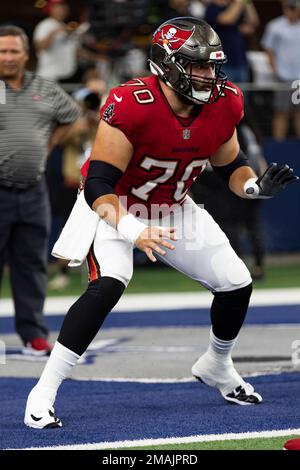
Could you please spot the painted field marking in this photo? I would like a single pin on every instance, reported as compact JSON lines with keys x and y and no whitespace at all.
{"x":172,"y":440}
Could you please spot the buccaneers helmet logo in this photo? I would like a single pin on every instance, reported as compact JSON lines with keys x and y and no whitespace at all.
{"x":171,"y":38}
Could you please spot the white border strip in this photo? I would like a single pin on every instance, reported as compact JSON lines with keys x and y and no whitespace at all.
{"x":171,"y":440}
{"x":163,"y":301}
{"x":141,"y":380}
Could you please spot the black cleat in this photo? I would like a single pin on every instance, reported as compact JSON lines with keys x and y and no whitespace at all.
{"x":244,"y":396}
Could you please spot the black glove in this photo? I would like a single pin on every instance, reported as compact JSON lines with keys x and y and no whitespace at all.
{"x":271,"y":182}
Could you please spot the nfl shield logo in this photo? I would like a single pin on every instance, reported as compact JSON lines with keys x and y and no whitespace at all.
{"x":186,"y":134}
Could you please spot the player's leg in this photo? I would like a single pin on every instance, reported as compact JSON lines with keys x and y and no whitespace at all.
{"x":110,"y":270}
{"x":203,"y":253}
{"x":215,"y":367}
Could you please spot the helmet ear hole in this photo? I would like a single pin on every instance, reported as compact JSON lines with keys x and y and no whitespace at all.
{"x":182,"y":61}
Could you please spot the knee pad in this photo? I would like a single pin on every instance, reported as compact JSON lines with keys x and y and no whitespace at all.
{"x":237,"y":273}
{"x":230,"y":271}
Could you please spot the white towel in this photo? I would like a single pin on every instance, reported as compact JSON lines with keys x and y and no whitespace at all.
{"x":78,"y":233}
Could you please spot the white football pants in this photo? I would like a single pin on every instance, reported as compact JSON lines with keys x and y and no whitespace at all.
{"x":202,"y":251}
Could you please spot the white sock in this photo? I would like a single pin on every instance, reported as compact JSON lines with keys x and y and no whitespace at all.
{"x":215,"y":367}
{"x":58,"y":367}
{"x":220,"y":349}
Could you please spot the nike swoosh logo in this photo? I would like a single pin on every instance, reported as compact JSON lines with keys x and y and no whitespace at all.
{"x":118,"y":99}
{"x":35,"y":418}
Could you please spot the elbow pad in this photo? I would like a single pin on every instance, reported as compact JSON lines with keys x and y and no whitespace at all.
{"x":226,"y":171}
{"x":101,"y":179}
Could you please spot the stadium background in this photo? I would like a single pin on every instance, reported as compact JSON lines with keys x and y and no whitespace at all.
{"x":162,"y":325}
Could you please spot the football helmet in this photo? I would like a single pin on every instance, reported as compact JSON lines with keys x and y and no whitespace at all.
{"x":177,"y":45}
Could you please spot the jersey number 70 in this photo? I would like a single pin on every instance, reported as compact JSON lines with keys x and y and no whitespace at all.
{"x":169,"y":166}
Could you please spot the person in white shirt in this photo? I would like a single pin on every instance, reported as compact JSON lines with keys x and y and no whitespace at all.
{"x":281,"y":41}
{"x":56,"y":44}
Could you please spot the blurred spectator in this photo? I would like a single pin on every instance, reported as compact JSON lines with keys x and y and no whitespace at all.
{"x":91,"y":82}
{"x":128,"y":60}
{"x":74,"y":151}
{"x":233,"y":20}
{"x":37,"y":115}
{"x":178,"y":8}
{"x":281,"y":41}
{"x":197,"y":8}
{"x":236,"y":216}
{"x":57,"y":43}
{"x":132,"y":64}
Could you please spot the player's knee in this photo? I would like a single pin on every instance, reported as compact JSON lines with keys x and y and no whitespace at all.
{"x":235,"y":298}
{"x":123,"y":273}
{"x":238,"y":274}
{"x":107,"y":287}
{"x":230,"y":271}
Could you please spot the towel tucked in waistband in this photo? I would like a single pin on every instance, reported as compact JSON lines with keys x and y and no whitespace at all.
{"x":77,"y":234}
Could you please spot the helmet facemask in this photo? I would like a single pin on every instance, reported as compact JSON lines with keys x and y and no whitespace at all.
{"x":178,"y":74}
{"x":202,"y":89}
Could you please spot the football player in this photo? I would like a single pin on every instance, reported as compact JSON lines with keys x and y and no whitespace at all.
{"x":155,"y":136}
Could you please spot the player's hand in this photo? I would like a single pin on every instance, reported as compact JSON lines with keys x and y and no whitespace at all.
{"x":272,"y":181}
{"x":152,"y":239}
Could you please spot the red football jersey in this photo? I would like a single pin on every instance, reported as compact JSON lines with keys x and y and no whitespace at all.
{"x":169,"y":151}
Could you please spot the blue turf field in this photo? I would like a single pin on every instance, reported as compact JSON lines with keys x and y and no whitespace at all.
{"x":97,"y":411}
{"x":109,"y":411}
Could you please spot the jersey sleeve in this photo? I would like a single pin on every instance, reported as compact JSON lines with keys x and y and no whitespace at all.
{"x":117,"y":111}
{"x":238,"y":107}
{"x":234,"y":109}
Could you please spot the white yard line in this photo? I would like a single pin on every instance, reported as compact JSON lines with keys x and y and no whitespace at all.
{"x":163,"y":301}
{"x":172,"y":440}
{"x":152,"y":380}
